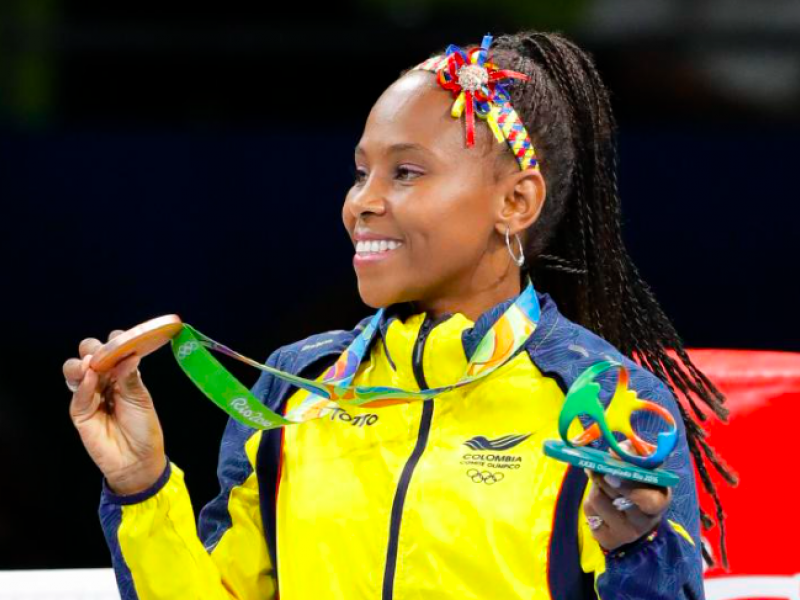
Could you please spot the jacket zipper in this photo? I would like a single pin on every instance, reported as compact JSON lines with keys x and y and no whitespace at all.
{"x":411,"y":463}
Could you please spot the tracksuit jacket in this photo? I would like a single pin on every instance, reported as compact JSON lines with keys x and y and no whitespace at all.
{"x":450,"y":498}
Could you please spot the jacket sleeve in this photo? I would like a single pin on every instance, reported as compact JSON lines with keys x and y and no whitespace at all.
{"x":158,"y":552}
{"x":666,"y":564}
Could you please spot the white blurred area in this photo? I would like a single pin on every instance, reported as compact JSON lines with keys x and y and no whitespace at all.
{"x":747,"y":587}
{"x":67,"y":584}
{"x":99,"y":584}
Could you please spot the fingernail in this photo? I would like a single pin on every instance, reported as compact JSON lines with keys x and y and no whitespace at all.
{"x":613,"y":481}
{"x":73,"y":387}
{"x":622,"y":503}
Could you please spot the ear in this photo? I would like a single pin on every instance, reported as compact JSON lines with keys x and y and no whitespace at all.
{"x":523,"y":196}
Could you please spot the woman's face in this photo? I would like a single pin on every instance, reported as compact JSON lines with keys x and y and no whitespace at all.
{"x":424,"y":211}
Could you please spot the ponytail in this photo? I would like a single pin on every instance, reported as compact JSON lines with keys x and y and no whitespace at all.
{"x":575,"y":249}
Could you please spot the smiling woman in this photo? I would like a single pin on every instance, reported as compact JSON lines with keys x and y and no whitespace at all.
{"x":451,"y":496}
{"x":419,"y":184}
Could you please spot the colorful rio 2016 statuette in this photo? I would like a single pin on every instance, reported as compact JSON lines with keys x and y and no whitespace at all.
{"x":583,"y":398}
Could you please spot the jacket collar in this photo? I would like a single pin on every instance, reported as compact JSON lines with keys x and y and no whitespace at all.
{"x":472,"y":336}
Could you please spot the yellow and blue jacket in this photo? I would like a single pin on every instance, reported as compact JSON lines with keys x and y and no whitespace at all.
{"x":443,"y":499}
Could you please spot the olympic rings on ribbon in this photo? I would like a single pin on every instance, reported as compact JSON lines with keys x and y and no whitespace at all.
{"x":583,"y":398}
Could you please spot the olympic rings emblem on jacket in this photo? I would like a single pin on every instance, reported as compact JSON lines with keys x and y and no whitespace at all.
{"x":486,"y":477}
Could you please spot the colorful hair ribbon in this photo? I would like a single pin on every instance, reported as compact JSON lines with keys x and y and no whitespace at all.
{"x":479,"y":88}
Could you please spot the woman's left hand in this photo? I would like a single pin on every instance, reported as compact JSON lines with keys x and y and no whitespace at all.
{"x":627,"y":510}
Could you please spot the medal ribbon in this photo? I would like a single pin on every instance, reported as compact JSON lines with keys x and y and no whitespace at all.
{"x":335,"y":389}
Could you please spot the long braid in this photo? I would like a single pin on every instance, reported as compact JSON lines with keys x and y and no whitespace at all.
{"x":576,"y":248}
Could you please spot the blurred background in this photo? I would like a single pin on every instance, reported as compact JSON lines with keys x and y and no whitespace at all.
{"x":176,"y":158}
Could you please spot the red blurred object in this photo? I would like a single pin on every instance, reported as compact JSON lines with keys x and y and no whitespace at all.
{"x":760,"y":443}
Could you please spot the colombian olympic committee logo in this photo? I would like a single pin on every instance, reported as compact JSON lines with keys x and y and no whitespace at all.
{"x":487,"y":477}
{"x":489,"y":460}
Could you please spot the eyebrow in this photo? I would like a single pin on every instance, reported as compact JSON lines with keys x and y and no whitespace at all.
{"x":401,"y":147}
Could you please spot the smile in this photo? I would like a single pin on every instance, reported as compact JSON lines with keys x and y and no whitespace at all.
{"x":372,"y":247}
{"x":372,"y":251}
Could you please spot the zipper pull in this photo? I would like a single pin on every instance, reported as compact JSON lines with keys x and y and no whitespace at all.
{"x":419,"y":346}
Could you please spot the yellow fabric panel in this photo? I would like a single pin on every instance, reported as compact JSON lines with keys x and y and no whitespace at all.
{"x":340,"y":476}
{"x":462,"y":537}
{"x":338,"y":481}
{"x":680,"y":530}
{"x":159,"y":542}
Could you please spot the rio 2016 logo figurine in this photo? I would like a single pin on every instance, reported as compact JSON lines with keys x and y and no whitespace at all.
{"x":583,"y":398}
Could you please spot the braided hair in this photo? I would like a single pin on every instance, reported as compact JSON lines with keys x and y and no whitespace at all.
{"x":575,"y":249}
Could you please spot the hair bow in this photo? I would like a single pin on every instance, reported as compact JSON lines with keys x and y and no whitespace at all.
{"x":478,"y":87}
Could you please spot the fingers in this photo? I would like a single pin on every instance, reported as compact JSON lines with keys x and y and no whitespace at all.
{"x":599,"y":482}
{"x":126,"y":368}
{"x":627,"y":510}
{"x":612,"y":486}
{"x":85,"y":400}
{"x":75,"y":368}
{"x":130,"y":379}
{"x":73,"y":373}
{"x":623,"y":522}
{"x":614,"y":528}
{"x":651,"y":501}
{"x":90,"y":389}
{"x":88,"y":346}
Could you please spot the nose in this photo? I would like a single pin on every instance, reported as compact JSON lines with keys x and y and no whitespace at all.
{"x":368,"y":198}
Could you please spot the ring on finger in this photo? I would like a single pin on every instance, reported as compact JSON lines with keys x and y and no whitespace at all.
{"x":594,"y":522}
{"x":622,"y":503}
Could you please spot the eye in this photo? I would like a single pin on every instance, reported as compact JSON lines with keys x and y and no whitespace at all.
{"x":359,"y":175}
{"x":407,"y":174}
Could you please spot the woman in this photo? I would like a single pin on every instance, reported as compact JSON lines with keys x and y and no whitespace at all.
{"x":451,"y":497}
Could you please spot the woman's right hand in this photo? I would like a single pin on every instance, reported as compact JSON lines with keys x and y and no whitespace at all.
{"x":115,"y":417}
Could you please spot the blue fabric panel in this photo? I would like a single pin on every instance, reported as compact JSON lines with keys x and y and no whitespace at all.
{"x":110,"y":520}
{"x":233,"y":468}
{"x":565,"y":577}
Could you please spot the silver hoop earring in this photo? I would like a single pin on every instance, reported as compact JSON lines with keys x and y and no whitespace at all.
{"x":520,"y":260}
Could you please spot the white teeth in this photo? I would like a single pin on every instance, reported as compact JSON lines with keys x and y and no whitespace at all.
{"x":376,"y":246}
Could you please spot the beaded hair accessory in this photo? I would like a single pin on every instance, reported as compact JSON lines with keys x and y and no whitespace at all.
{"x":476,"y":84}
